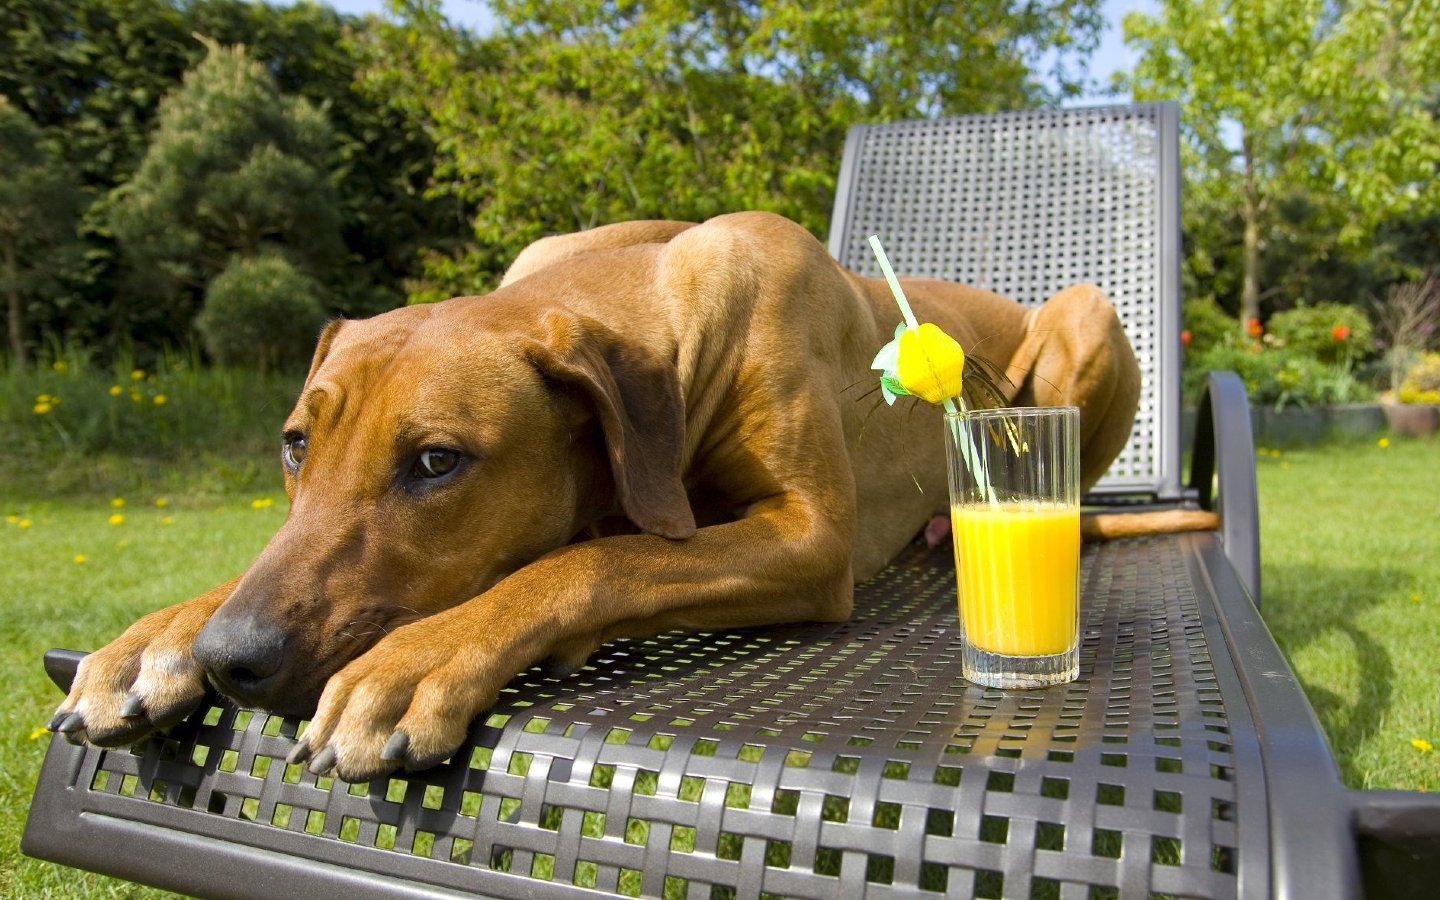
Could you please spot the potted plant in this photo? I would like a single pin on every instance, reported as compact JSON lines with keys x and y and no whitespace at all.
{"x":1410,"y":320}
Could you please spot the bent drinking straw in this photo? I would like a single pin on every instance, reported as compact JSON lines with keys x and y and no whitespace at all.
{"x":967,"y":447}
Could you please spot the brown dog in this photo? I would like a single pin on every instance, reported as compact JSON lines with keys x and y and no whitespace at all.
{"x":648,"y":426}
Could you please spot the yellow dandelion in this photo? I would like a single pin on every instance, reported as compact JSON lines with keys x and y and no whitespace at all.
{"x":1422,"y":745}
{"x":116,"y":390}
{"x":1415,"y":598}
{"x":162,"y":502}
{"x":60,"y":365}
{"x":1275,"y":452}
{"x":80,"y":559}
{"x":167,"y":520}
{"x":117,"y":519}
{"x":1383,"y":443}
{"x":24,"y":523}
{"x":137,"y":375}
{"x":38,"y":732}
{"x":12,"y":520}
{"x":160,"y":399}
{"x":135,"y":397}
{"x":262,"y":503}
{"x":117,"y":502}
{"x":42,"y":408}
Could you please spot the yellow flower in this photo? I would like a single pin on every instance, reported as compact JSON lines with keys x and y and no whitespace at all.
{"x":137,"y":374}
{"x":167,"y":520}
{"x":1383,"y":443}
{"x":135,"y":396}
{"x":38,"y":732}
{"x":12,"y":520}
{"x":80,"y":558}
{"x":117,"y":502}
{"x":1275,"y":452}
{"x":42,"y":408}
{"x":1414,"y":598}
{"x":115,"y":390}
{"x":60,"y":365}
{"x":1422,"y":745}
{"x":24,"y":523}
{"x":116,"y":519}
{"x":162,"y":502}
{"x":262,"y":503}
{"x":160,"y":399}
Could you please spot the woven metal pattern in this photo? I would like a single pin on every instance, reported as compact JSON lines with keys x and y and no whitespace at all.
{"x":1025,"y":204}
{"x":809,"y":761}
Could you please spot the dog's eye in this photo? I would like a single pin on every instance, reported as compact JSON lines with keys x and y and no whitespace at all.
{"x":293,"y":452}
{"x":435,"y":463}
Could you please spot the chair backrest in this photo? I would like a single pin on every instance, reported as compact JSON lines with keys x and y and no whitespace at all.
{"x":1025,"y":204}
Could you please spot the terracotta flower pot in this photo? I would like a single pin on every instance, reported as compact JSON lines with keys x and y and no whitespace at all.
{"x":1412,"y":418}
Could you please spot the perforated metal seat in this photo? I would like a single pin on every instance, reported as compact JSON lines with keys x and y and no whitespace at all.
{"x":841,"y":760}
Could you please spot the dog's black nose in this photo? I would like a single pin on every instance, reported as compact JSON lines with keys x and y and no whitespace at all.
{"x":242,"y":656}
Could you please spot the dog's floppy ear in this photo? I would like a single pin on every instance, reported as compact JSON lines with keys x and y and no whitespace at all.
{"x":636,"y":399}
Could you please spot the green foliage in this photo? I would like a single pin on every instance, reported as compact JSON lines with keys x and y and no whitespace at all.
{"x":1307,"y":127}
{"x":37,"y":216}
{"x":1275,"y":376}
{"x":1208,"y":325}
{"x":91,"y":73}
{"x":579,"y":114}
{"x":73,"y":407}
{"x":1330,"y":332}
{"x":1422,"y":383}
{"x":233,"y":167}
{"x":261,"y":311}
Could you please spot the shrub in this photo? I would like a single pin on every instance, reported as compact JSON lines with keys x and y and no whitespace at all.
{"x":261,"y":312}
{"x":1329,"y":332}
{"x":1208,"y":324}
{"x":1422,"y":384}
{"x":1276,"y":376}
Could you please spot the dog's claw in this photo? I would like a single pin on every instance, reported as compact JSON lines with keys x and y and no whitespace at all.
{"x":323,"y":762}
{"x":72,"y":723}
{"x":394,"y":749}
{"x":133,"y":707}
{"x":298,"y":754}
{"x":55,"y":720}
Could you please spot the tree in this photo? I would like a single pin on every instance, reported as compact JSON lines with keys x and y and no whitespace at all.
{"x":37,"y":220}
{"x":234,"y":168}
{"x":1297,"y":101}
{"x":582,"y":113}
{"x":91,"y":73}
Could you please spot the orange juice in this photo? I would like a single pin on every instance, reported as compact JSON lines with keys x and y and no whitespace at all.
{"x":1017,"y":569}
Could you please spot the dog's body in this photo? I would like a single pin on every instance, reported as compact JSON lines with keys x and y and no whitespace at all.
{"x":648,"y":426}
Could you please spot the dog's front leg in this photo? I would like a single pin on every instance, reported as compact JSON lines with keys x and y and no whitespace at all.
{"x":143,"y":680}
{"x":411,"y":698}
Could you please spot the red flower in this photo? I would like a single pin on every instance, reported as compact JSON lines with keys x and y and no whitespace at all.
{"x":1340,"y":332}
{"x":1185,"y":337}
{"x":1254,"y":327}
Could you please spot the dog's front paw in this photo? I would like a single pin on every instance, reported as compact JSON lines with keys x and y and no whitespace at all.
{"x":143,"y":680}
{"x":407,"y":702}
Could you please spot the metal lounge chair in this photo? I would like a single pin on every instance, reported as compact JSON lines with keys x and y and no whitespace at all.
{"x":848,"y":760}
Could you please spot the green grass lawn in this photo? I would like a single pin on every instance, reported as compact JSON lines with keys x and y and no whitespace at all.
{"x":1350,"y":566}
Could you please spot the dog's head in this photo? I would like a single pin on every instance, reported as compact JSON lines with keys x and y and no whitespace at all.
{"x":433,"y":451}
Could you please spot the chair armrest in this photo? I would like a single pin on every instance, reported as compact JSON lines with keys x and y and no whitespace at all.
{"x":61,"y":666}
{"x":1222,"y":473}
{"x":1399,"y":841}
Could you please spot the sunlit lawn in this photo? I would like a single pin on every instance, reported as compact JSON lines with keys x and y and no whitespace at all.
{"x":1350,"y":544}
